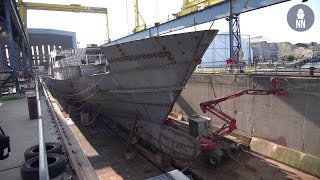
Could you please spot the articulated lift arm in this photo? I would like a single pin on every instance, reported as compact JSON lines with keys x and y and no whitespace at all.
{"x":279,"y":89}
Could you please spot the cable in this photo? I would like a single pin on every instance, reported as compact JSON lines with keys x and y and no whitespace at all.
{"x":211,"y":25}
{"x":81,"y":110}
{"x":9,"y":168}
{"x":141,"y":17}
{"x":81,"y":106}
{"x":94,"y":117}
{"x":84,"y":98}
{"x":88,"y":88}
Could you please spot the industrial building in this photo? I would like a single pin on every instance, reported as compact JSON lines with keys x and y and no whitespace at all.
{"x":263,"y":51}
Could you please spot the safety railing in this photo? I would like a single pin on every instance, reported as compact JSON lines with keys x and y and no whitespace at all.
{"x":43,"y":164}
{"x":298,"y":71}
{"x":290,"y":69}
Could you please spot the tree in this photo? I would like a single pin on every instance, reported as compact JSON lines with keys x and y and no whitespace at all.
{"x":290,"y":57}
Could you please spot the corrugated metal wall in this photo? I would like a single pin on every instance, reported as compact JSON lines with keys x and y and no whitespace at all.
{"x":218,"y":51}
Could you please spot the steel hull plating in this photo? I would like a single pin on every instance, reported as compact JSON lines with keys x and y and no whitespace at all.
{"x":146,"y":77}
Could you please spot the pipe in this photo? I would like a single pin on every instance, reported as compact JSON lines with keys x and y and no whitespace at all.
{"x":231,"y":30}
{"x":43,"y":164}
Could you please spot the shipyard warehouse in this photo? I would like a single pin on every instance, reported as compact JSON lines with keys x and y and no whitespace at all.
{"x":140,"y":89}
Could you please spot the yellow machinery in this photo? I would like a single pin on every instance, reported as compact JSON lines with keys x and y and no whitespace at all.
{"x":195,"y":5}
{"x":189,"y":6}
{"x":136,"y":16}
{"x":24,"y":6}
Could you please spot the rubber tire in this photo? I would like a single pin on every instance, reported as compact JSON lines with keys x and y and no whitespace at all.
{"x":34,"y":150}
{"x":216,"y":157}
{"x":56,"y":165}
{"x":214,"y":161}
{"x":226,"y":153}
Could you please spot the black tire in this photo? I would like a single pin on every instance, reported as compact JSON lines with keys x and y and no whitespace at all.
{"x":226,"y":153}
{"x":30,"y":169}
{"x":214,"y":160}
{"x":216,"y":157}
{"x":51,"y":147}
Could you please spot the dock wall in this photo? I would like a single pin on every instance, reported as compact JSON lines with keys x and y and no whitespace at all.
{"x":292,"y":121}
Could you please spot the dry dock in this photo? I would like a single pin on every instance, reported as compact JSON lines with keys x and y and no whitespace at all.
{"x":103,"y":151}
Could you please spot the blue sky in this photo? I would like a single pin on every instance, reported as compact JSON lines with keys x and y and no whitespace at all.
{"x":270,"y":22}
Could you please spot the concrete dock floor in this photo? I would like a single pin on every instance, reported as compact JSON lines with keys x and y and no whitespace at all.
{"x":248,"y":165}
{"x":23,"y":132}
{"x":105,"y":151}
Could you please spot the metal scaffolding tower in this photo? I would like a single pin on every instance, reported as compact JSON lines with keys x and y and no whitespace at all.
{"x":16,"y":59}
{"x":235,"y":38}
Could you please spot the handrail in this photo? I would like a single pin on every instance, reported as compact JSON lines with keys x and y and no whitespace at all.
{"x":43,"y":164}
{"x":56,"y":113}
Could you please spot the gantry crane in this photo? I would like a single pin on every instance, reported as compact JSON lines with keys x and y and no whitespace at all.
{"x":138,"y":27}
{"x":24,"y":6}
{"x":195,"y":5}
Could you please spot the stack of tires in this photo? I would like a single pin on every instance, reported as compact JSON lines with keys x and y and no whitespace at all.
{"x":55,"y":159}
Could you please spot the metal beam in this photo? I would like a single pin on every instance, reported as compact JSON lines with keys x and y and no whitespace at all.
{"x":25,"y":61}
{"x":138,"y":27}
{"x":208,"y":14}
{"x":11,"y":47}
{"x":136,"y":13}
{"x":24,"y":6}
{"x":2,"y":53}
{"x":236,"y":46}
{"x":231,"y":29}
{"x":60,"y":7}
{"x":11,"y":4}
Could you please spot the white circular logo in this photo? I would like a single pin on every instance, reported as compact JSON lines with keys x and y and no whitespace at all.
{"x":300,"y":17}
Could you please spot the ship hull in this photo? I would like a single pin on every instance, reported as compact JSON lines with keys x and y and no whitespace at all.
{"x":145,"y":79}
